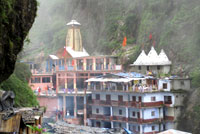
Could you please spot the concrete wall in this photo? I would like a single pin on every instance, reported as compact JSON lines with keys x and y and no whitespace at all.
{"x":116,"y":111}
{"x":148,"y":128}
{"x":114,"y":96}
{"x":116,"y":125}
{"x":51,"y":103}
{"x":180,"y":84}
{"x":163,"y":81}
{"x":179,"y":97}
{"x":131,"y":110}
{"x":163,"y":69}
{"x":147,"y":113}
{"x":60,"y":103}
{"x":169,"y":125}
{"x":101,"y":112}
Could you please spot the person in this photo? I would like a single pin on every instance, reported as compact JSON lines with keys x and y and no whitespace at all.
{"x":39,"y":90}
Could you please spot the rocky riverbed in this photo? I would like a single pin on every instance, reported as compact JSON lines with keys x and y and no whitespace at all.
{"x":61,"y":127}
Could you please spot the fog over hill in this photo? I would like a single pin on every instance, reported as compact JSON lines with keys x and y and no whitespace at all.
{"x":174,"y":25}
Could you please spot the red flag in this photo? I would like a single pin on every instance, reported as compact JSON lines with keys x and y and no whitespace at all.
{"x":72,"y":62}
{"x":64,"y":52}
{"x":150,"y":36}
{"x":124,"y":42}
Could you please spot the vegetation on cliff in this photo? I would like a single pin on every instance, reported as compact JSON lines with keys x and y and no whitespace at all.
{"x":17,"y":82}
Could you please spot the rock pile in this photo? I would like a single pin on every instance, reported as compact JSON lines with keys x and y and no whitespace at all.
{"x":64,"y":128}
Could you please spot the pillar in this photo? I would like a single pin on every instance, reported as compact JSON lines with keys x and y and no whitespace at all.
{"x":89,"y":86}
{"x":85,"y":108}
{"x":57,"y":78}
{"x":141,"y":115}
{"x":127,"y":126}
{"x":64,"y":106}
{"x":111,"y":111}
{"x":112,"y":125}
{"x":141,"y":131}
{"x":104,"y":63}
{"x":75,"y":64}
{"x":94,"y":64}
{"x":75,"y":89}
{"x":66,"y":84}
{"x":84,"y":64}
{"x":75,"y":106}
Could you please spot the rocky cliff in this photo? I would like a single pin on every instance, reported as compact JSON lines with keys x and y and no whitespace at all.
{"x":17,"y":17}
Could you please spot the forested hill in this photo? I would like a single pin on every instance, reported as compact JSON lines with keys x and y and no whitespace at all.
{"x":174,"y":25}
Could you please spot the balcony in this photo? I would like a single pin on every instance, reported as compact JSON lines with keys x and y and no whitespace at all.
{"x":139,"y":120}
{"x":109,"y":103}
{"x":124,"y":119}
{"x":169,"y":118}
{"x":100,"y":117}
{"x":145,"y":104}
{"x":119,"y":119}
{"x":127,"y":104}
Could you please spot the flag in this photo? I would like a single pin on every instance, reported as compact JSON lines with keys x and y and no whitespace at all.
{"x":150,"y":36}
{"x":64,"y":52}
{"x":72,"y":62}
{"x":124,"y":42}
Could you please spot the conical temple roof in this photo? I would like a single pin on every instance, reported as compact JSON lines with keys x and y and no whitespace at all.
{"x":141,"y":59}
{"x":163,"y":59}
{"x":73,"y":22}
{"x":152,"y":58}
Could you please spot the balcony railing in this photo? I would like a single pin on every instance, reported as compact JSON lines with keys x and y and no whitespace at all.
{"x":109,"y":103}
{"x":120,"y":118}
{"x":169,"y":118}
{"x":127,"y":104}
{"x":124,"y":119}
{"x":139,"y":120}
{"x":100,"y":117}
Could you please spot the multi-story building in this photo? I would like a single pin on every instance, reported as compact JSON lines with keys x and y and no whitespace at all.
{"x":67,"y":70}
{"x":142,"y":103}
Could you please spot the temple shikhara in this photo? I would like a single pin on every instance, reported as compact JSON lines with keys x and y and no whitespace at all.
{"x":96,"y":91}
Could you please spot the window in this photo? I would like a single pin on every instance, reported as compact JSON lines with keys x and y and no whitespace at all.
{"x":139,"y":68}
{"x":97,"y":110}
{"x":140,"y":81}
{"x":158,"y":67}
{"x":182,"y":83}
{"x":108,"y":97}
{"x":120,"y":98}
{"x":164,"y":85}
{"x":120,"y":112}
{"x":45,"y":79}
{"x":97,"y":96}
{"x":138,"y":128}
{"x":147,"y":68}
{"x":35,"y":80}
{"x":153,"y":128}
{"x":133,"y":98}
{"x":152,"y":113}
{"x":153,"y":98}
{"x":133,"y":114}
{"x":120,"y":125}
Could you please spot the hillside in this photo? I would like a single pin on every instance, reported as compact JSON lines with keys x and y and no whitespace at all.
{"x":174,"y":26}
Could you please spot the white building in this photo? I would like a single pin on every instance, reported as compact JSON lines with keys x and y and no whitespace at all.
{"x":141,"y":103}
{"x":152,"y":62}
